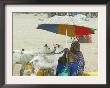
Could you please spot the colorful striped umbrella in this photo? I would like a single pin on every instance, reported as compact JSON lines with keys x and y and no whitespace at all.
{"x":72,"y":30}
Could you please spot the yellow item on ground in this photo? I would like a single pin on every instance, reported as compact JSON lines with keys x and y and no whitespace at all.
{"x":27,"y":69}
{"x":28,"y":66}
{"x":90,"y":74}
{"x":39,"y":73}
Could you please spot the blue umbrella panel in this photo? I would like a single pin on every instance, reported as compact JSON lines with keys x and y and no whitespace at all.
{"x":49,"y":27}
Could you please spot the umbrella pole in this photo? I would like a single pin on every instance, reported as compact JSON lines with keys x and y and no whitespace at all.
{"x":66,"y":37}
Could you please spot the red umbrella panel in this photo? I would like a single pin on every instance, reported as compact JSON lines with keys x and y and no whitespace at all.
{"x":81,"y":30}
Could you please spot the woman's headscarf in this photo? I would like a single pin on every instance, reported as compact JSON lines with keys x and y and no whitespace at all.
{"x":75,"y":46}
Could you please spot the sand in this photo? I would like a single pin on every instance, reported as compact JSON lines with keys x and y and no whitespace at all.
{"x":25,"y":35}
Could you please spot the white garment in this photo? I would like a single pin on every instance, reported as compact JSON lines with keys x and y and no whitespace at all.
{"x":45,"y":61}
{"x":45,"y":50}
{"x":59,"y":49}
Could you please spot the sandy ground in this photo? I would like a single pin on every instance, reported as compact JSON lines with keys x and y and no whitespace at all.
{"x":25,"y":35}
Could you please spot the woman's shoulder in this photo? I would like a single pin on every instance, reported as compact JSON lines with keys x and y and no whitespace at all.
{"x":79,"y":55}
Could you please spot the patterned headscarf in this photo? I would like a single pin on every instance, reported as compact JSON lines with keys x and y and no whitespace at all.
{"x":74,"y":45}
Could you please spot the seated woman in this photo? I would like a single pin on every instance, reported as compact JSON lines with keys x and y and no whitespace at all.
{"x":66,"y":64}
{"x":79,"y":59}
{"x":72,"y":62}
{"x":61,"y":67}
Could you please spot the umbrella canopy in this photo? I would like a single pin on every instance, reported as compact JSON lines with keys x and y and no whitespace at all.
{"x":72,"y":30}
